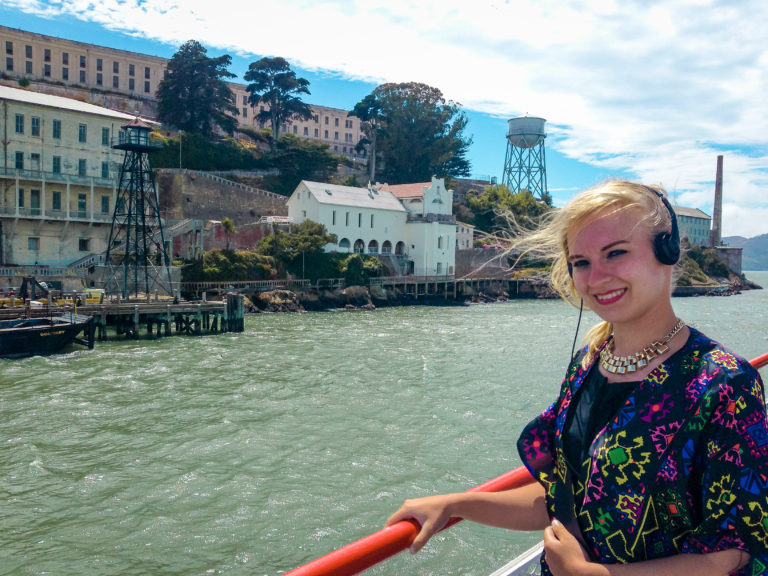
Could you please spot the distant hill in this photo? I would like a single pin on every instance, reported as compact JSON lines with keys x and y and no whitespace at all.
{"x":755,"y":255}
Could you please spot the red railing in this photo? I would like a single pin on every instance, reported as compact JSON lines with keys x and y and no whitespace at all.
{"x":377,"y":547}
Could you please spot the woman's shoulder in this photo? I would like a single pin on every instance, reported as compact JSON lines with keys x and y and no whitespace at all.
{"x":712,"y":356}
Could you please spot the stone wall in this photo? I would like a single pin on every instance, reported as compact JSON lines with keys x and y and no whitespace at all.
{"x":190,"y":194}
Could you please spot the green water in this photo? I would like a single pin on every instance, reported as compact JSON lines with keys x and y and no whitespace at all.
{"x":253,"y":453}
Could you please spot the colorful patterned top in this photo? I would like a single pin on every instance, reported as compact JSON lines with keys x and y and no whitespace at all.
{"x":682,"y":467}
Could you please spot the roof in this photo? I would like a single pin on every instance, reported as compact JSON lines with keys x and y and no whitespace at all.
{"x":353,"y":196}
{"x":403,"y":191}
{"x":691,"y":212}
{"x":50,"y":101}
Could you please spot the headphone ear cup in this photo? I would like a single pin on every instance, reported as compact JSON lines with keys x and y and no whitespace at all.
{"x":666,"y":248}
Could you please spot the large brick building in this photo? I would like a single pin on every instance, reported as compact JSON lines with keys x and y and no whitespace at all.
{"x":128,"y":81}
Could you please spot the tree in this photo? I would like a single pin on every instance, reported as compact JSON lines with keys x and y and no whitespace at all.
{"x":494,"y":206}
{"x":229,"y":229}
{"x":193,"y":96}
{"x":275,"y":84}
{"x":299,"y":159}
{"x":299,"y":251}
{"x":418,"y":133}
{"x":369,"y":112}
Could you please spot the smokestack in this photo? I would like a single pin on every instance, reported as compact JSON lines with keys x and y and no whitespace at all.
{"x":716,"y":235}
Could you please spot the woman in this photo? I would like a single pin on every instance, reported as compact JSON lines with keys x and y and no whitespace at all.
{"x":654,"y":457}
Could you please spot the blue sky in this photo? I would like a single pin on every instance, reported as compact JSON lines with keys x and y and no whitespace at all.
{"x":650,"y":90}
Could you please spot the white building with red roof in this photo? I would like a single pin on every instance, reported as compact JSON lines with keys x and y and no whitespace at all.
{"x":411,"y":225}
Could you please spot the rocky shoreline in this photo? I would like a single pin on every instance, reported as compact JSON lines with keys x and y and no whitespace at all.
{"x":374,"y":297}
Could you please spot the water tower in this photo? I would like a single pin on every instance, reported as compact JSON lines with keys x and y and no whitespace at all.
{"x":137,"y":256}
{"x":525,"y":166}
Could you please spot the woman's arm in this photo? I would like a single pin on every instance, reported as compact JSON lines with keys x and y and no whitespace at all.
{"x":519,"y":509}
{"x":565,"y":557}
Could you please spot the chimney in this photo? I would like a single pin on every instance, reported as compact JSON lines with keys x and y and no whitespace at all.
{"x":716,"y":235}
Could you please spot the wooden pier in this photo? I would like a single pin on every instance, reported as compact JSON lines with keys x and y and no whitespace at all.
{"x":164,"y":318}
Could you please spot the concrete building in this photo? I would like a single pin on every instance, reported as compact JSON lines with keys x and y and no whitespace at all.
{"x":694,"y":225}
{"x":128,"y":81}
{"x":58,"y":177}
{"x":409,"y":225}
{"x":465,"y":236}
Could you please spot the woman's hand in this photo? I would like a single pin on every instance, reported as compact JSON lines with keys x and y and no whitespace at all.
{"x":432,"y":513}
{"x":563,"y":553}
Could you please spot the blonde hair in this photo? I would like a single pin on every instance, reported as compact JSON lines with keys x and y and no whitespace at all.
{"x":550,"y":240}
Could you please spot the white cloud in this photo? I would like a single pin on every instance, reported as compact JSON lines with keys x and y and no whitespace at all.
{"x":657,"y":88}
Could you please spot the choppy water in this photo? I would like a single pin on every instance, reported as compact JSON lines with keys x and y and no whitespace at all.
{"x":256,"y":452}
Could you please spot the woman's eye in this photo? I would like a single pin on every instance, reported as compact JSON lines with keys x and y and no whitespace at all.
{"x":579,"y":263}
{"x":614,"y":253}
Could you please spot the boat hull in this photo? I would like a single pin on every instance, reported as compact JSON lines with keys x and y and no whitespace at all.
{"x":33,"y":336}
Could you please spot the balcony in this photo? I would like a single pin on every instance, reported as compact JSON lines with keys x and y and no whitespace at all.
{"x":55,"y":177}
{"x":54,"y":215}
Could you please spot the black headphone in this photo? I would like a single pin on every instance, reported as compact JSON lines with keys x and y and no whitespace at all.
{"x":666,"y":245}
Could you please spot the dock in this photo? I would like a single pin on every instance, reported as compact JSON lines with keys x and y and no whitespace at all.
{"x":165,"y":318}
{"x":140,"y":318}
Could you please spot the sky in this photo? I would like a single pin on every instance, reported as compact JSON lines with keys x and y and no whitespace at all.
{"x":650,"y":90}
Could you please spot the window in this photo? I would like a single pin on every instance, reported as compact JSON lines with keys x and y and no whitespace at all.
{"x":19,"y":161}
{"x":82,"y":76}
{"x":65,"y":73}
{"x":36,"y":126}
{"x":131,"y":70}
{"x":28,"y":67}
{"x":115,"y":81}
{"x":306,"y":131}
{"x":333,"y":218}
{"x":28,"y":51}
{"x":116,"y":67}
{"x":34,"y":161}
{"x":146,"y":72}
{"x":21,"y":197}
{"x":326,"y":120}
{"x":335,"y":121}
{"x":335,"y":135}
{"x":326,"y":134}
{"x":131,"y":84}
{"x":347,"y":123}
{"x":33,"y":244}
{"x":105,"y":204}
{"x":317,"y":133}
{"x":346,"y":223}
{"x":99,"y":64}
{"x":81,"y":205}
{"x":295,"y":129}
{"x":105,"y":136}
{"x":56,"y":200}
{"x":47,"y":55}
{"x":8,"y":47}
{"x":82,"y":167}
{"x":19,"y":123}
{"x":84,"y":244}
{"x":371,"y":220}
{"x":245,"y":99}
{"x":146,"y":87}
{"x":57,"y":164}
{"x":99,"y":79}
{"x":82,"y":61}
{"x":439,"y":242}
{"x":359,"y":220}
{"x":105,"y":170}
{"x":82,"y":133}
{"x":34,"y":202}
{"x":9,"y":63}
{"x":65,"y":58}
{"x":47,"y":70}
{"x":57,"y":129}
{"x":245,"y":112}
